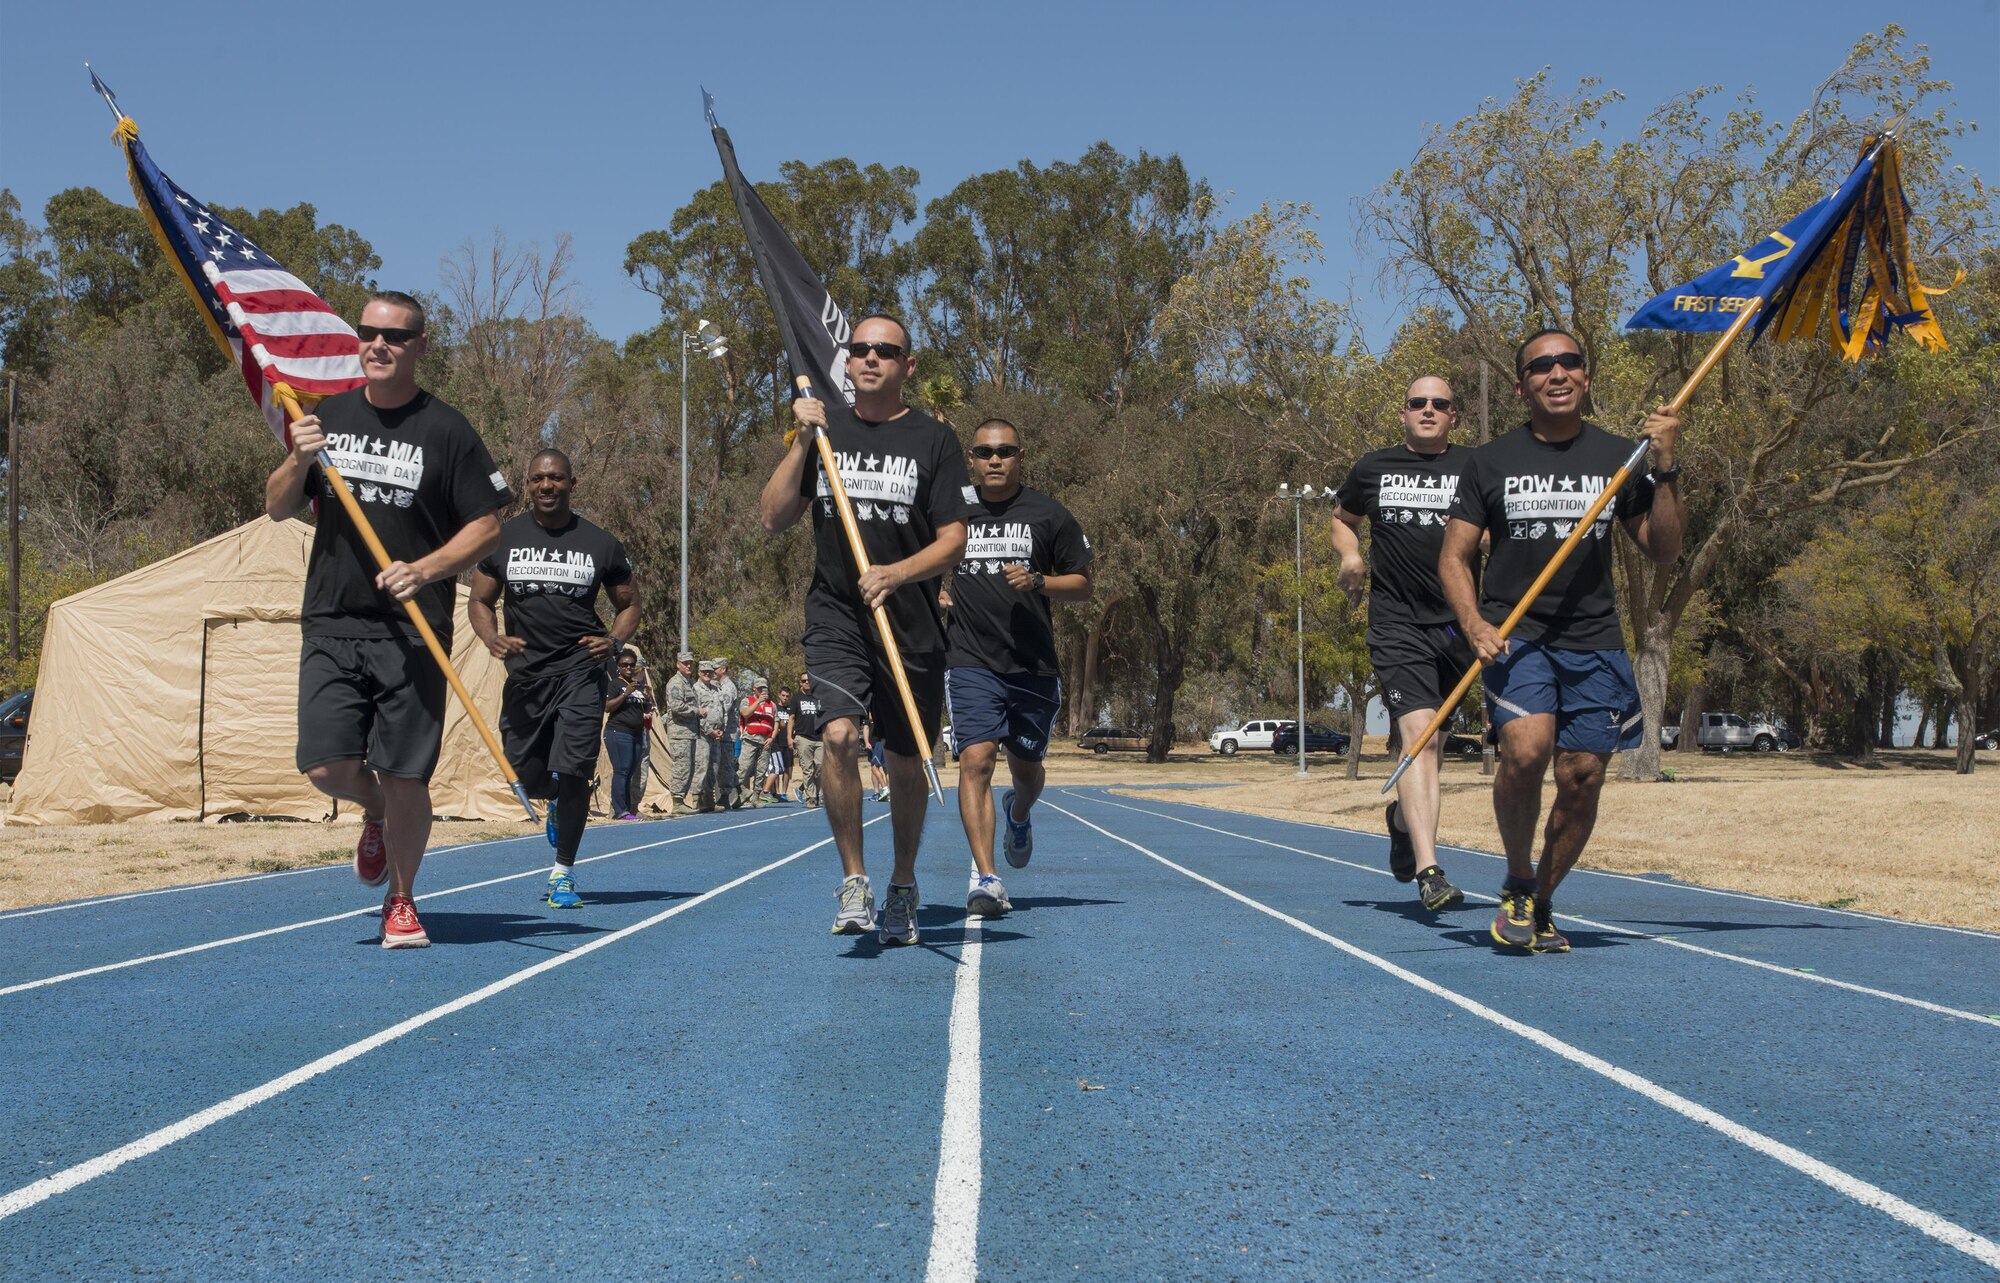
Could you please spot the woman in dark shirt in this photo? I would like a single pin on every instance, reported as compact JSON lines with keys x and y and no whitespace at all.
{"x":625,"y":732}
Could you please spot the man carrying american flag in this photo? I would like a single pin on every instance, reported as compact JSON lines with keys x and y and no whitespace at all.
{"x":371,"y":703}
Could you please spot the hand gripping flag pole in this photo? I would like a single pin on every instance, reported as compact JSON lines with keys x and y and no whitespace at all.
{"x":1803,"y":278}
{"x":814,"y":346}
{"x":288,"y":344}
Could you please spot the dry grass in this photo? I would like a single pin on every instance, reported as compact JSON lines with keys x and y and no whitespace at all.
{"x":1888,"y":839}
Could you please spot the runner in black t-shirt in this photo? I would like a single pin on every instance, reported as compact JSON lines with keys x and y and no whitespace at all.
{"x":1022,"y":550}
{"x":1404,"y":492}
{"x":906,"y":477}
{"x":371,"y":699}
{"x":1560,"y":685}
{"x":551,"y":564}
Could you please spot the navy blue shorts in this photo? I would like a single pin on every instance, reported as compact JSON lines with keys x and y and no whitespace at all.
{"x":1013,"y":710}
{"x":1590,"y":692}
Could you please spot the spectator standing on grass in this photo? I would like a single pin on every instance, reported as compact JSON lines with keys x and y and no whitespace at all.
{"x":708,"y":694}
{"x":732,"y":733}
{"x":759,"y":720}
{"x":1404,"y":493}
{"x":546,"y":576}
{"x":805,"y":739}
{"x":684,"y":738}
{"x":778,"y":775}
{"x":371,"y":696}
{"x":1560,"y":687}
{"x":625,"y":711}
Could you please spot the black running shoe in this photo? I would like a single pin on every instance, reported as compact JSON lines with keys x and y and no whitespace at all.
{"x":1402,"y":851}
{"x":1547,"y":938}
{"x":1514,"y":925}
{"x":1435,"y":892}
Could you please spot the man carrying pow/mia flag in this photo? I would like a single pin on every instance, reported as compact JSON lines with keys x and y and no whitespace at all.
{"x":550,"y":565}
{"x":906,"y":476}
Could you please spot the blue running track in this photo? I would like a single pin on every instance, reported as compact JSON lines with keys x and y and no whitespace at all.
{"x":1204,"y":1045}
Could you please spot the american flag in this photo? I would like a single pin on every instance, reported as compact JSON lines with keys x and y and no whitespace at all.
{"x":276,"y":328}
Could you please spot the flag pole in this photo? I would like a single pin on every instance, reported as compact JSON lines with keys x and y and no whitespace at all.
{"x":288,"y":398}
{"x":861,"y":567}
{"x":1611,"y":487}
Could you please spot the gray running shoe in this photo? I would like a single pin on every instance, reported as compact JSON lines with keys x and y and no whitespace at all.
{"x":1019,"y":842}
{"x":986,"y":897}
{"x":1436,"y":892}
{"x":899,"y":917}
{"x":856,"y":916}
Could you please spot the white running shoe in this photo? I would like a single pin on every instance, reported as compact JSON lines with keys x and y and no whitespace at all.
{"x":899,"y":916}
{"x":856,"y":916}
{"x":986,"y":897}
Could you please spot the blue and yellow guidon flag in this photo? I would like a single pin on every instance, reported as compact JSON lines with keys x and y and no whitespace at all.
{"x":1842,"y":265}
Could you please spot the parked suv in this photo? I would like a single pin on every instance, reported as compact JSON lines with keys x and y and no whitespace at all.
{"x":14,"y":733}
{"x":1258,"y":734}
{"x":1722,"y":732}
{"x":1319,"y":739}
{"x":1104,"y":739}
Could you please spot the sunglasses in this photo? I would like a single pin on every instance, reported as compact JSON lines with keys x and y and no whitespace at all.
{"x":393,"y":337}
{"x":994,"y":451}
{"x":887,"y":351}
{"x":1419,"y":402}
{"x":1543,"y":364}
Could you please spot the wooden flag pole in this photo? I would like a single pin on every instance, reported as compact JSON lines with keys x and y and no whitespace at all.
{"x":862,"y":566}
{"x":289,"y":399}
{"x":1618,"y":478}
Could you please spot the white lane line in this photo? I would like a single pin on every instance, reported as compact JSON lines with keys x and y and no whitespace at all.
{"x":1791,"y":973}
{"x":69,"y":1178}
{"x":236,"y":882}
{"x":1877,"y":918}
{"x":1950,"y":1233}
{"x":540,"y":870}
{"x":954,"y":1254}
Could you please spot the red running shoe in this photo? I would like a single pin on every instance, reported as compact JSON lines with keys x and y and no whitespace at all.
{"x":400,"y":928}
{"x":371,"y":857}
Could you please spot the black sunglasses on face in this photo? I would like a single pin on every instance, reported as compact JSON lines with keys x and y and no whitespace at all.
{"x":887,"y":351}
{"x":1543,"y":364}
{"x":391,"y":336}
{"x":1419,"y":402}
{"x":995,"y":451}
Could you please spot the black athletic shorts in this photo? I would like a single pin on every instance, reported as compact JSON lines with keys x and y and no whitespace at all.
{"x":554,"y":724}
{"x":1417,"y":664}
{"x":372,"y":699}
{"x":852,"y":679}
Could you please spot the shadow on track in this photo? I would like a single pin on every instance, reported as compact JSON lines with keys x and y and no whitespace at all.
{"x":1695,"y":926}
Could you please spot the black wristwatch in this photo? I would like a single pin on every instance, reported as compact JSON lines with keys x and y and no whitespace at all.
{"x":1671,"y":474}
{"x":1035,"y":581}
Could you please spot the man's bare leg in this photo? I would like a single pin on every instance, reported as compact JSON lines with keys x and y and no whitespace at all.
{"x":840,"y":791}
{"x":1526,"y":743}
{"x":975,"y":802}
{"x":406,"y":830}
{"x":1417,"y":793}
{"x":1579,"y":784}
{"x":909,"y":801}
{"x":1029,"y":778}
{"x":350,"y":781}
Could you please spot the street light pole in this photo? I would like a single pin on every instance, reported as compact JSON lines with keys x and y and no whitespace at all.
{"x":716,"y":347}
{"x":13,"y":531}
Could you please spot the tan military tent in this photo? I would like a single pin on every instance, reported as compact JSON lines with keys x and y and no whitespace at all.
{"x":172,"y":694}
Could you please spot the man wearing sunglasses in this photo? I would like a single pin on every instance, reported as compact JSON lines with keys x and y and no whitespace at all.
{"x":905,"y":476}
{"x":551,"y":565}
{"x":1405,"y":492}
{"x":371,"y":699}
{"x":1023,"y":550}
{"x":1560,"y":687}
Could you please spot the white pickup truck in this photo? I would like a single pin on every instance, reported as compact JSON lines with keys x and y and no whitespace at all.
{"x":1257,"y":734}
{"x":1722,"y":732}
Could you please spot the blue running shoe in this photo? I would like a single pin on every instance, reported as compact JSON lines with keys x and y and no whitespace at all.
{"x":1019,"y":845}
{"x":562,"y":893}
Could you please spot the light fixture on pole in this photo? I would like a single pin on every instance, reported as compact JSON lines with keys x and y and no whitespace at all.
{"x":715,"y":346}
{"x":1298,"y":499}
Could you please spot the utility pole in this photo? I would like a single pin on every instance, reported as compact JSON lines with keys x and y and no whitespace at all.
{"x":13,"y":531}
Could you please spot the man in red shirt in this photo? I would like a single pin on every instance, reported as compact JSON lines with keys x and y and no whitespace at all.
{"x":759,"y":717}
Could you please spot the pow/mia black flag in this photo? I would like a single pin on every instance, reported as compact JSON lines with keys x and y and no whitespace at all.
{"x":814,"y":326}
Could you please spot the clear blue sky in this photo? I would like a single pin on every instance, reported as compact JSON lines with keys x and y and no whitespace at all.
{"x":422,"y":124}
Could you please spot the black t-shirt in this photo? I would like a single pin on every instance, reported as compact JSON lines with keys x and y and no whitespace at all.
{"x":905,"y":478}
{"x":1406,"y":497}
{"x":1528,"y":495}
{"x":421,"y":474}
{"x":805,"y":710}
{"x":631,"y":715}
{"x":550,"y":580}
{"x":993,"y":625}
